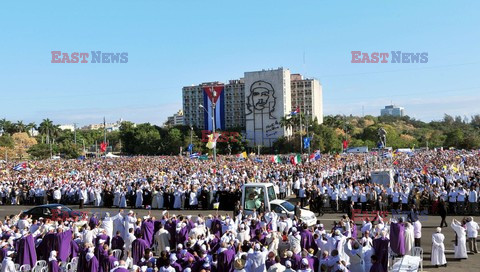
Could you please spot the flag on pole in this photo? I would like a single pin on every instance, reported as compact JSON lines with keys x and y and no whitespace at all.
{"x":242,"y":155}
{"x":276,"y":159}
{"x":295,"y":112}
{"x":315,"y":155}
{"x":20,"y":166}
{"x":190,"y":148}
{"x":203,"y":157}
{"x":296,"y":159}
{"x":306,"y":142}
{"x":216,"y":205}
{"x":194,"y":156}
{"x":103,"y":147}
{"x":257,"y":160}
{"x":345,"y":144}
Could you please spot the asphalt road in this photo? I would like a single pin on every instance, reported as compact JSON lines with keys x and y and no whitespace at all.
{"x":429,"y":225}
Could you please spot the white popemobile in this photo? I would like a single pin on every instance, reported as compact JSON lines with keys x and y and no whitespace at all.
{"x":254,"y":194}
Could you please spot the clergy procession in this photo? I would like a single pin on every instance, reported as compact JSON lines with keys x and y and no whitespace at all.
{"x":433,"y":183}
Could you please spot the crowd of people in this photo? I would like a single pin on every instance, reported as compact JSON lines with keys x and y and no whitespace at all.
{"x":244,"y":242}
{"x":439,"y":182}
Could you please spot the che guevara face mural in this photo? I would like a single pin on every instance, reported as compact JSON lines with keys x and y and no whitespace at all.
{"x":261,"y":99}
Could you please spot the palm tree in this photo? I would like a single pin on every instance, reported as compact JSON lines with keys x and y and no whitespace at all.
{"x":6,"y":126}
{"x":20,"y":126}
{"x":46,"y":128}
{"x":30,"y":127}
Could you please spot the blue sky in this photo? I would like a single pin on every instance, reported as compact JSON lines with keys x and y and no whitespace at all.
{"x":171,"y":44}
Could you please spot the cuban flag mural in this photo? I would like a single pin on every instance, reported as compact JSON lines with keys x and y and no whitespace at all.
{"x":214,"y":94}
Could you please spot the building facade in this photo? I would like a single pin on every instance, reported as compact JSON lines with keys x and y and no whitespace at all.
{"x":267,"y":100}
{"x":392,"y":110}
{"x":307,"y":95}
{"x":255,"y":103}
{"x":175,"y":120}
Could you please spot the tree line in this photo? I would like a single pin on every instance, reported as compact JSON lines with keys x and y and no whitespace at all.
{"x":19,"y":140}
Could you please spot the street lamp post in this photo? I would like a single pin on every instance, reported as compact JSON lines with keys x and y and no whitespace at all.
{"x":191,"y":146}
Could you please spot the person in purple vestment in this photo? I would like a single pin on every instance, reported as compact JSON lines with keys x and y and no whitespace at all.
{"x":397,"y":237}
{"x":74,"y":249}
{"x":103,"y":236}
{"x":52,"y":262}
{"x":181,"y":233}
{"x":62,"y":243}
{"x":92,"y":263}
{"x":380,"y":246}
{"x":270,"y":260}
{"x":93,"y":223}
{"x":122,"y":267}
{"x":117,"y":241}
{"x":376,"y":265}
{"x":47,"y":244}
{"x":109,"y":263}
{"x":3,"y":250}
{"x":174,"y":264}
{"x":26,"y":251}
{"x":147,"y":230}
{"x":138,"y":249}
{"x":226,"y":257}
{"x":306,"y":240}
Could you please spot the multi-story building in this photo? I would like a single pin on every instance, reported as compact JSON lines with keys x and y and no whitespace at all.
{"x":235,"y":104}
{"x":175,"y":120}
{"x":108,"y":126}
{"x":273,"y":93}
{"x":392,"y":110}
{"x":307,"y":96}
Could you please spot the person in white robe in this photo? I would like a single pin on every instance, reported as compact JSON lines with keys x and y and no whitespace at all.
{"x":116,"y":198}
{"x":461,"y":246}
{"x":107,"y":225}
{"x":118,"y":224}
{"x":129,"y":222}
{"x":193,"y":200}
{"x":177,"y":202}
{"x":409,"y":238}
{"x":438,"y":248}
{"x":123,"y":200}
{"x":98,"y":197}
{"x":155,"y":199}
{"x":139,"y":198}
{"x":355,"y":254}
{"x":368,"y":251}
{"x":162,"y":240}
{"x":128,"y":244}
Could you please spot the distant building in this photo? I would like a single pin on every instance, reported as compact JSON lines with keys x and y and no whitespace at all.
{"x":67,"y":127}
{"x":392,"y":110}
{"x":108,"y":126}
{"x":307,"y":95}
{"x":175,"y":120}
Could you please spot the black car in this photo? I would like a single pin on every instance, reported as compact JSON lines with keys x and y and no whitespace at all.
{"x":53,"y":211}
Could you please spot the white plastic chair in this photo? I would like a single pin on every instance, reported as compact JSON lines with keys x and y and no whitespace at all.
{"x":117,"y":253}
{"x":44,"y":269}
{"x":25,"y":267}
{"x":41,"y":263}
{"x":37,"y":268}
{"x":418,"y":252}
{"x":17,"y":267}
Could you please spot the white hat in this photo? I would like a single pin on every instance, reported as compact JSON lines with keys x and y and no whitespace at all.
{"x":288,"y":264}
{"x":167,"y":249}
{"x":257,"y":247}
{"x":130,"y":212}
